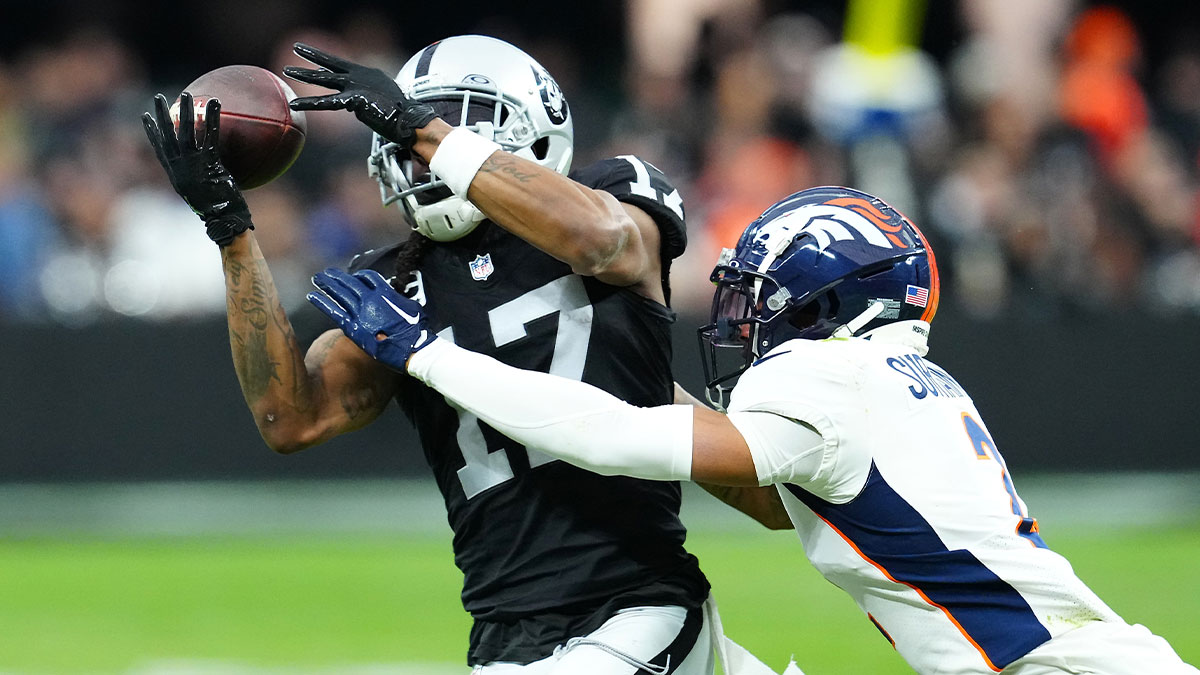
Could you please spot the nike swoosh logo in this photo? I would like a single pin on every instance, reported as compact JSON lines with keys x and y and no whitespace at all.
{"x":407,"y":317}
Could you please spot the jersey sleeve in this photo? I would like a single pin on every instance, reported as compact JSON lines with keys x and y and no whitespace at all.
{"x":809,"y":385}
{"x":784,"y":450}
{"x":381,"y":260}
{"x":638,"y":182}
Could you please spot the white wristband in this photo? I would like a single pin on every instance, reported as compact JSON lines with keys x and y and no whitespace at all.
{"x":458,"y":158}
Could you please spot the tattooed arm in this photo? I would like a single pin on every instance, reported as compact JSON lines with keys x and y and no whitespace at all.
{"x":297,"y":401}
{"x":588,"y":229}
{"x":760,"y":503}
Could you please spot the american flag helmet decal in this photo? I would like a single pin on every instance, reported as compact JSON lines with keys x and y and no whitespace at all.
{"x":915,"y":295}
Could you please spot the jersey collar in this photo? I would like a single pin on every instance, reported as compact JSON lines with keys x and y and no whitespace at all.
{"x":914,"y":334}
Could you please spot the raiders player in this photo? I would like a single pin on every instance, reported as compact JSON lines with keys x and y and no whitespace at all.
{"x":564,"y":275}
{"x":564,"y":571}
{"x":896,"y":488}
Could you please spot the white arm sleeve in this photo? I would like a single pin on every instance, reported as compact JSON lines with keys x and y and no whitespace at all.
{"x":563,"y":418}
{"x":784,"y":450}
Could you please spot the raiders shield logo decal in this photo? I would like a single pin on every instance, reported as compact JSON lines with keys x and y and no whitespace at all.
{"x":552,"y":97}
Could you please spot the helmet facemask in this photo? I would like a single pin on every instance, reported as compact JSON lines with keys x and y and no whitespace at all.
{"x":428,"y":204}
{"x":404,"y":178}
{"x":727,"y":341}
{"x":751,"y":313}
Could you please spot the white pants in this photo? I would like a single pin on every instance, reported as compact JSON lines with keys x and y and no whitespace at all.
{"x":1103,"y":648}
{"x":635,"y":641}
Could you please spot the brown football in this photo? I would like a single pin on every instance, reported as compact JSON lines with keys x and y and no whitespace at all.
{"x":260,"y":135}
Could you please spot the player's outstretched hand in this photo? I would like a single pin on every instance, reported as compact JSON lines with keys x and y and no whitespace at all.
{"x":195,"y":168}
{"x":383,"y":323}
{"x":371,"y":94}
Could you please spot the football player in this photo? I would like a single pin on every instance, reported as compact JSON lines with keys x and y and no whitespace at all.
{"x":565,"y":571}
{"x":895,"y":486}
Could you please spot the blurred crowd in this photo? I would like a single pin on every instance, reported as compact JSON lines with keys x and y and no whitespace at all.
{"x":1053,"y":167}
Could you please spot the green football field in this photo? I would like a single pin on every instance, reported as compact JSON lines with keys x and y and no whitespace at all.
{"x":387,"y":602}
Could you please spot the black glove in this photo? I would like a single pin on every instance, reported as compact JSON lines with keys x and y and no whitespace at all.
{"x":374,"y":97}
{"x":195,"y":169}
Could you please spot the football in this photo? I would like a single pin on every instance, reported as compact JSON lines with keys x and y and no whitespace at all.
{"x":260,"y":135}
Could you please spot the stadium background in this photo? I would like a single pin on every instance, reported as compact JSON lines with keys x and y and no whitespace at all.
{"x":1050,"y":151}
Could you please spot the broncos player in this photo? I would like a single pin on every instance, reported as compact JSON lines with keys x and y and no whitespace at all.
{"x":894,"y":484}
{"x":565,"y":571}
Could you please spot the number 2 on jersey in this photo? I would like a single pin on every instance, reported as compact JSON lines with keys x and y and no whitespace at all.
{"x":565,"y":296}
{"x":985,"y":448}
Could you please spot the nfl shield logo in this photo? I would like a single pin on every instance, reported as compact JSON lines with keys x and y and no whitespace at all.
{"x":481,"y":267}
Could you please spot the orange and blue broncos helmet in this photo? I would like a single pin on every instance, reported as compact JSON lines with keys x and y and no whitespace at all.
{"x":823,"y":261}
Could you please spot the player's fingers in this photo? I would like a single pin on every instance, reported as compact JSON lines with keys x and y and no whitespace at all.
{"x":342,"y":287}
{"x":152,"y":133}
{"x":321,"y":78}
{"x":330,"y":308}
{"x":156,"y":141}
{"x":337,"y":102}
{"x":187,"y":121}
{"x":162,"y":113}
{"x":323,"y":59}
{"x":372,"y":279}
{"x":166,"y":127}
{"x":335,"y":294}
{"x":212,"y":123}
{"x":155,"y":137}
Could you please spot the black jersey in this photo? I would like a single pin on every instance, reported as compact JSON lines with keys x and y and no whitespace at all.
{"x":547,"y":549}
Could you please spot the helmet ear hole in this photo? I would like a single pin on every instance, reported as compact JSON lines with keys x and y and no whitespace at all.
{"x":804,"y":317}
{"x":815,"y":310}
{"x":541,"y":147}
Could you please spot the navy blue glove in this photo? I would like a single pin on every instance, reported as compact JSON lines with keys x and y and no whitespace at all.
{"x":371,"y":94}
{"x":383,"y":323}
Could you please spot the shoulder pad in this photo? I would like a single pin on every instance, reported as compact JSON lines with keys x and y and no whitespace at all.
{"x":379,"y":259}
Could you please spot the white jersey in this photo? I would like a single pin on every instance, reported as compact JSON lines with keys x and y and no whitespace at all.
{"x":904,"y":501}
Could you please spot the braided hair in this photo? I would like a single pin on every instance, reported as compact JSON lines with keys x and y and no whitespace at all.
{"x":408,"y":259}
